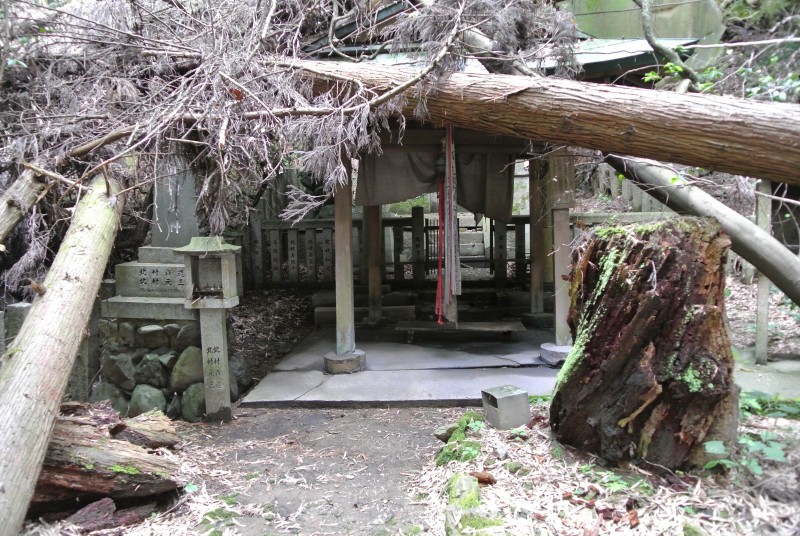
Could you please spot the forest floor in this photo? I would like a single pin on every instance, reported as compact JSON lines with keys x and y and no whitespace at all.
{"x":372,"y":471}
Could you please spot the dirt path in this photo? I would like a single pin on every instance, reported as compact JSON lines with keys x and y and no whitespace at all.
{"x":317,"y":472}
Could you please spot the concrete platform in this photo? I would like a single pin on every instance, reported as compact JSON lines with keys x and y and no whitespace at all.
{"x":434,"y":371}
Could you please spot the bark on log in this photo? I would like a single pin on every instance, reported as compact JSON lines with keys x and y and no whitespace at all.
{"x":720,"y":133}
{"x":84,"y":461}
{"x":755,"y":245}
{"x":651,"y":369}
{"x":103,"y":514}
{"x":17,"y":200}
{"x":36,"y":365}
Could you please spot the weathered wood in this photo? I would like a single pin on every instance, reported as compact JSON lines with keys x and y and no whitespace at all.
{"x":293,"y":254}
{"x":275,"y":256}
{"x":345,"y":315}
{"x":561,"y":254}
{"x":311,"y":254}
{"x":374,"y":236}
{"x":520,"y":266}
{"x":720,"y":133}
{"x":257,"y":247}
{"x":418,"y":246}
{"x":537,"y":177}
{"x":150,"y":430}
{"x":764,"y":221}
{"x":500,"y":253}
{"x":327,"y":254}
{"x":397,"y":251}
{"x":651,"y":367}
{"x":753,"y":244}
{"x":37,"y":363}
{"x":17,"y":200}
{"x":94,"y":453}
{"x":103,"y":514}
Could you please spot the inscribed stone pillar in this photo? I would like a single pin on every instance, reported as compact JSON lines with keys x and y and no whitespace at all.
{"x":175,"y":222}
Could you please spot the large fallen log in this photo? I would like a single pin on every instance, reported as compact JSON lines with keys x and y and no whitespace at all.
{"x":755,"y":245}
{"x":17,"y":200}
{"x":36,"y":365}
{"x":720,"y":133}
{"x":90,"y":455}
{"x":650,"y":374}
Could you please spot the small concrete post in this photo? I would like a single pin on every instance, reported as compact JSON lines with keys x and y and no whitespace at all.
{"x":212,"y":287}
{"x":506,"y":407}
{"x":763,"y":209}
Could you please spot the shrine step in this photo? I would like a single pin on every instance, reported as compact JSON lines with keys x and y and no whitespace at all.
{"x":327,"y":315}
{"x":503,"y":326}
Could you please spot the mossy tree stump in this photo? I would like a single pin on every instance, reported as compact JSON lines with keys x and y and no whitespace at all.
{"x":650,"y":373}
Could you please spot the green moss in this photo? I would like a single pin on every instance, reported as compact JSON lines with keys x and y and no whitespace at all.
{"x":404,"y":207}
{"x":458,"y":435}
{"x":413,"y":530}
{"x":607,"y":231}
{"x":460,"y":451}
{"x":470,"y":416}
{"x":126,"y":469}
{"x":476,"y":523}
{"x":229,"y":499}
{"x":463,"y":491}
{"x":217,"y":515}
{"x":692,"y":380}
{"x":556,"y":451}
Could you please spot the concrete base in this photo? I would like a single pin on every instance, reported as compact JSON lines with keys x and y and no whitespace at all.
{"x":506,"y":407}
{"x":345,"y":363}
{"x":553,"y":354}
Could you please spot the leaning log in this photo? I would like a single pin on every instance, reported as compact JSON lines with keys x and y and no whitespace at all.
{"x":17,"y":200}
{"x":751,"y":242}
{"x":36,"y":365}
{"x":713,"y":132}
{"x":650,"y":372}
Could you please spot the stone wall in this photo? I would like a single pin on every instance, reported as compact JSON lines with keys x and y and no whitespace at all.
{"x":148,"y":364}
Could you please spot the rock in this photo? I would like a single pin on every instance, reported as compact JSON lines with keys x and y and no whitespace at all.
{"x":127,"y":334}
{"x":187,"y":370}
{"x":107,"y":391}
{"x":172,"y":331}
{"x":189,"y":335}
{"x":138,"y":354}
{"x":174,"y":407}
{"x":239,"y":370}
{"x":513,"y":467}
{"x":145,"y":398}
{"x":193,"y":403}
{"x":118,"y":369}
{"x":169,"y":358}
{"x":108,"y":328}
{"x":234,"y":388}
{"x":463,"y":514}
{"x":152,"y":336}
{"x":501,"y":452}
{"x":443,"y":433}
{"x":151,"y":371}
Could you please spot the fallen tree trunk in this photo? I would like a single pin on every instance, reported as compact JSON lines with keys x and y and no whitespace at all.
{"x":91,"y":455}
{"x":651,"y":370}
{"x":17,"y":200}
{"x":36,"y":365}
{"x":713,"y":132}
{"x":755,"y":245}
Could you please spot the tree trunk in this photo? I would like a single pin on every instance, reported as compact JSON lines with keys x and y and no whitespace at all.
{"x":651,"y":369}
{"x":17,"y":200}
{"x":713,"y":132}
{"x":36,"y":365}
{"x":752,"y":243}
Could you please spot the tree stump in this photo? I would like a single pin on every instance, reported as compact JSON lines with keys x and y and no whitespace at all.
{"x":650,"y":373}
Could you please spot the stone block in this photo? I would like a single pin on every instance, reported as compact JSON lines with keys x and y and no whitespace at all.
{"x":189,"y":335}
{"x":553,"y":354}
{"x":107,"y":391}
{"x":159,"y":255}
{"x":193,"y":403}
{"x":118,"y":369}
{"x":506,"y":407}
{"x":127,"y":334}
{"x":152,"y":336}
{"x":151,"y":280}
{"x":146,"y":398}
{"x":188,"y":370}
{"x":108,"y":328}
{"x":345,"y":363}
{"x":151,"y":371}
{"x":146,"y":307}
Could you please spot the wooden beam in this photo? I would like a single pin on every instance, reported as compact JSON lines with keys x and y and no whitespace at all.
{"x":537,"y":188}
{"x":418,"y":245}
{"x":374,"y":246}
{"x":343,"y":228}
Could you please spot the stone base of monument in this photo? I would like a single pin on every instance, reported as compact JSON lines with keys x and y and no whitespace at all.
{"x":553,"y":354}
{"x":538,"y":320}
{"x":345,"y":363}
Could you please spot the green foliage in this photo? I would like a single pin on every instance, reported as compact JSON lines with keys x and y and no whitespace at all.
{"x":476,"y":426}
{"x":403,"y":208}
{"x":125,"y":469}
{"x":754,"y":450}
{"x":614,"y":482}
{"x":756,"y":403}
{"x":540,"y":399}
